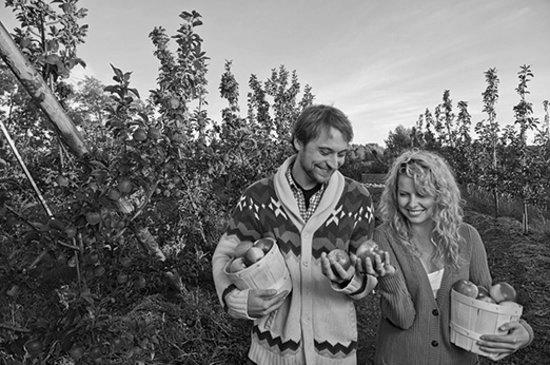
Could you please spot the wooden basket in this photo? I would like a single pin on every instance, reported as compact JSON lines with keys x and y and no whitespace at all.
{"x":270,"y":272}
{"x":471,"y":318}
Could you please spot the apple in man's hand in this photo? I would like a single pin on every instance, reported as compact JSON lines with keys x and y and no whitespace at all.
{"x":253,"y":255}
{"x":466,"y":287}
{"x":501,"y":292}
{"x":368,"y":249}
{"x":340,"y":256}
{"x":264,"y":244}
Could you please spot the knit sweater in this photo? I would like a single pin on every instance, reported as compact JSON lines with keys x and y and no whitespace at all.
{"x":316,"y":324}
{"x":414,"y":326}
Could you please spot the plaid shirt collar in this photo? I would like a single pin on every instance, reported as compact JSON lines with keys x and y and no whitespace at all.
{"x":299,"y":195}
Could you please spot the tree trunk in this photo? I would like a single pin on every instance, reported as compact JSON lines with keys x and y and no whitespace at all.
{"x":525,"y":218}
{"x":495,"y":202}
{"x":33,"y":82}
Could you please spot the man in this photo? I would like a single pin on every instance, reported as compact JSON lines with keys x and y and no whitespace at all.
{"x":310,"y":208}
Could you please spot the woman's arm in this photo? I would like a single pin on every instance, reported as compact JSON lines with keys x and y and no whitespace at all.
{"x":396,"y":303}
{"x":518,"y":333}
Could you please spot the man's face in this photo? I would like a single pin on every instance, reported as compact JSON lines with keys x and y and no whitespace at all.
{"x":320,"y":158}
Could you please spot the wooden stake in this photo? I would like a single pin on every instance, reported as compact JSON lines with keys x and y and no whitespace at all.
{"x":25,"y":170}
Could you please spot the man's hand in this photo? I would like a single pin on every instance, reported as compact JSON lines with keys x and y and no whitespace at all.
{"x":515,"y":338}
{"x":379,"y":268}
{"x":264,"y":301}
{"x":334,"y":271}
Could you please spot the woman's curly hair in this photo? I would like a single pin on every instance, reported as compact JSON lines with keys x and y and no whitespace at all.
{"x":432,"y":176}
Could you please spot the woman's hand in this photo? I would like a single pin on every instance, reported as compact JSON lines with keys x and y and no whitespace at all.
{"x":505,"y":344}
{"x":379,"y":268}
{"x":334,"y":271}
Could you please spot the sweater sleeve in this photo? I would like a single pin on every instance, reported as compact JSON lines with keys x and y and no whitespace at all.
{"x":233,"y":300}
{"x":479,"y":268}
{"x":359,"y":286}
{"x":396,"y":303}
{"x":242,"y":226}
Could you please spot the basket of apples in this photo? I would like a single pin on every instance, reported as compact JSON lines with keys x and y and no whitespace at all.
{"x":259,"y":265}
{"x":476,"y":311}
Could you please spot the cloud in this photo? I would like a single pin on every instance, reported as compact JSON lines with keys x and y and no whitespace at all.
{"x":79,"y":73}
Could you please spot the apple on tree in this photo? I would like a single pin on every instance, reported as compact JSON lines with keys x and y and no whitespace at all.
{"x":466,"y":287}
{"x":341,"y":257}
{"x":502,"y":292}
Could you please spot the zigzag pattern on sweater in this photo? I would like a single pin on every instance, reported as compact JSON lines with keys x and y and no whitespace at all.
{"x":334,"y":349}
{"x":260,"y":204}
{"x":275,"y":341}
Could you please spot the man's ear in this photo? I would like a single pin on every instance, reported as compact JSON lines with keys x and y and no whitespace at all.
{"x":297,"y":144}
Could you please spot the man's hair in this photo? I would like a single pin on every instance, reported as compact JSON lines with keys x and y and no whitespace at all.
{"x":316,"y":118}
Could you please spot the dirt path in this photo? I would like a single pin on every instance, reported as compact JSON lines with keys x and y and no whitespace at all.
{"x":523,"y":261}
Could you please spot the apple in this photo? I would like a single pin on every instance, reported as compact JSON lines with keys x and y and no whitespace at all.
{"x":174,"y":103}
{"x":114,"y":194}
{"x":241,"y":248}
{"x":76,"y":353}
{"x":141,"y":282}
{"x":466,"y":287}
{"x":483,"y":295}
{"x":122,"y":278}
{"x":482,"y":291}
{"x":253,"y":255}
{"x":99,"y":271}
{"x":368,"y":249}
{"x":93,"y":218}
{"x":125,"y":186}
{"x":501,"y":292}
{"x":33,"y":347}
{"x":125,"y":261}
{"x":237,"y":265}
{"x":62,"y":181}
{"x":340,"y":256}
{"x":140,"y":135}
{"x":264,"y":244}
{"x":510,"y":304}
{"x":70,"y":232}
{"x":153,"y":133}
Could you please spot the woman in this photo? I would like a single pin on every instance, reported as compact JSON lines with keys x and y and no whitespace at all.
{"x":430,"y":248}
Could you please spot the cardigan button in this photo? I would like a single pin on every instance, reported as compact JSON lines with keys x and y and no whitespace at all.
{"x":435,"y":343}
{"x":435,"y":312}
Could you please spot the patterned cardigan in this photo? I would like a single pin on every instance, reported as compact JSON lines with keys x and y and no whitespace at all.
{"x":317,"y":322}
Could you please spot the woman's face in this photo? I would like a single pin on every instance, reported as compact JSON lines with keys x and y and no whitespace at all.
{"x":417,"y":208}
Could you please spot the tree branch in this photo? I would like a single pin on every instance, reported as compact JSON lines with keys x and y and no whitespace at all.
{"x":14,"y":328}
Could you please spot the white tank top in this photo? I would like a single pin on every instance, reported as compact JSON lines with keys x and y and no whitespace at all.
{"x":435,"y":280}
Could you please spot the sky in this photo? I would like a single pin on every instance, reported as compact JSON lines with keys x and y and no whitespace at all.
{"x":381,"y":62}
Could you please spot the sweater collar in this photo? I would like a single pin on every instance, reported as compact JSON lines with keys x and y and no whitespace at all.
{"x":333,"y":191}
